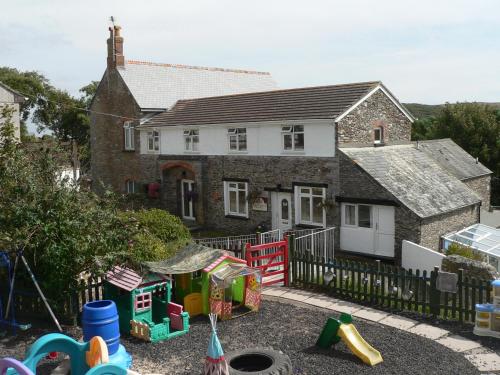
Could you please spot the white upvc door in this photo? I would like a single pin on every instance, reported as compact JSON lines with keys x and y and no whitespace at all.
{"x":384,"y":231}
{"x":281,"y":210}
{"x":187,"y":187}
{"x":367,"y":229}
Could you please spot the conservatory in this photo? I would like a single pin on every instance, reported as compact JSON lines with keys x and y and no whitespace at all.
{"x":481,"y":238}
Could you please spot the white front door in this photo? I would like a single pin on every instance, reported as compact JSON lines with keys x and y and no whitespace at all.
{"x":281,"y":207}
{"x":367,"y":229}
{"x":384,"y":231}
{"x":187,"y":188}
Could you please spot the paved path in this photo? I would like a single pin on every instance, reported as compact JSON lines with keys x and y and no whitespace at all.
{"x":484,"y":359}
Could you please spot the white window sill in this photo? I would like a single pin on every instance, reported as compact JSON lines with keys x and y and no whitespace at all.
{"x":191,"y":152}
{"x":152,"y":152}
{"x":236,"y":215}
{"x":237,"y":152}
{"x":292,"y":152}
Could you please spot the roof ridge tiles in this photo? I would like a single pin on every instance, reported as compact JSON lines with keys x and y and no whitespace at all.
{"x":296,"y":89}
{"x":182,"y":66}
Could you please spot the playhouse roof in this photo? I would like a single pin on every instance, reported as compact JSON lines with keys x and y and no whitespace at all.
{"x":127,"y":279}
{"x":193,"y":257}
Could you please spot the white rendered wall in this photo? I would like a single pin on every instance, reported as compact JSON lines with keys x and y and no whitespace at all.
{"x":420,"y":258}
{"x":263,"y":139}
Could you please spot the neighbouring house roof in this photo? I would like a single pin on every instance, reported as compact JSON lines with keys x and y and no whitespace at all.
{"x":159,"y":86}
{"x":18,"y":97}
{"x":453,"y":158}
{"x":193,"y":257}
{"x":322,"y":102}
{"x":414,"y":178}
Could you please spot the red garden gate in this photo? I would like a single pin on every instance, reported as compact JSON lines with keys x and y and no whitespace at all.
{"x":271,"y":259}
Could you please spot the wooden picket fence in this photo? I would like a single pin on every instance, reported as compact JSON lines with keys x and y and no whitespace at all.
{"x":29,"y":304}
{"x":388,"y":287}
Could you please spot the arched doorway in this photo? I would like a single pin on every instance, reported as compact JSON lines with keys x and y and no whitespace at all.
{"x":180,"y":193}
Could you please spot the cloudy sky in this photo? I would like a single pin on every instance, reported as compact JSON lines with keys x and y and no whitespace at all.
{"x":424,"y":51}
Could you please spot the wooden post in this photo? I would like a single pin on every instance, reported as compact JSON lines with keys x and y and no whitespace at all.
{"x":435,"y":294}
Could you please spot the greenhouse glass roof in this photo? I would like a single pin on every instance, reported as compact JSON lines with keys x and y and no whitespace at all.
{"x":480,"y":237}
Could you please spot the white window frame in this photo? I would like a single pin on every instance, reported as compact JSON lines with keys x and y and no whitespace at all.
{"x":380,"y":129}
{"x":153,"y":136}
{"x":356,"y":215}
{"x":143,"y":302}
{"x":189,"y":144}
{"x":292,"y":130}
{"x":130,"y":186}
{"x":239,"y":134}
{"x":298,"y":204}
{"x":229,"y":186}
{"x":128,"y":136}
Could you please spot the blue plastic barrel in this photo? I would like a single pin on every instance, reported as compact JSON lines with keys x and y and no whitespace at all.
{"x":100,"y":318}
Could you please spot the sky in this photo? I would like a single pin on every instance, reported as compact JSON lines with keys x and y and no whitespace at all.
{"x":424,"y":51}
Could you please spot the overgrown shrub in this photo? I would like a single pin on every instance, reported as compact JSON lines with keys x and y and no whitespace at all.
{"x":464,"y":251}
{"x":158,"y":234}
{"x":62,"y":230}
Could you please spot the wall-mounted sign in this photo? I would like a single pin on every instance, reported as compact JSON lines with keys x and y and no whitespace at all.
{"x":259,"y":204}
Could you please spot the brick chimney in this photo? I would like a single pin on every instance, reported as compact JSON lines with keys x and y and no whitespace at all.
{"x":115,"y":48}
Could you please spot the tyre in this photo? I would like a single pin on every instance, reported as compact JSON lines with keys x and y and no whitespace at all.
{"x":259,"y":361}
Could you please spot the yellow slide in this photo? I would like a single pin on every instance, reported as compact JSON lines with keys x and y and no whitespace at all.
{"x":358,"y":345}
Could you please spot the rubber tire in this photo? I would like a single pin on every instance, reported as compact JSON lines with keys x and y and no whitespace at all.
{"x":281,"y":362}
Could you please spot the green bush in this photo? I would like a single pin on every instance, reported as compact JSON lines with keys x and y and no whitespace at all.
{"x":63,"y":230}
{"x":464,"y":251}
{"x":158,"y":234}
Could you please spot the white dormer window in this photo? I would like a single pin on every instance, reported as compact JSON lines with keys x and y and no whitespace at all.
{"x":128,"y":136}
{"x":378,"y":135}
{"x":153,"y":141}
{"x":191,"y":140}
{"x":293,"y":138}
{"x":237,"y":139}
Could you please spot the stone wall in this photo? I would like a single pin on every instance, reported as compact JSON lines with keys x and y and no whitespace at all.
{"x":111,"y":165}
{"x":482,"y":187}
{"x":262,"y":173}
{"x":433,"y":228}
{"x":377,"y":111}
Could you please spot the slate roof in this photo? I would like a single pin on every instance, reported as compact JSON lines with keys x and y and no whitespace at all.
{"x":159,"y":86}
{"x":18,"y":97}
{"x":453,"y":158}
{"x":414,"y":178}
{"x":321,"y":102}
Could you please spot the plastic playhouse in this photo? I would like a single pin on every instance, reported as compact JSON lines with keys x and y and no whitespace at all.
{"x":234,"y":283}
{"x":192,"y":269}
{"x":488,"y":315}
{"x":343,"y":329}
{"x":144,"y":305}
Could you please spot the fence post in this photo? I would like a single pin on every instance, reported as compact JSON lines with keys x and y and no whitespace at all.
{"x":435,"y":294}
{"x":286,"y":260}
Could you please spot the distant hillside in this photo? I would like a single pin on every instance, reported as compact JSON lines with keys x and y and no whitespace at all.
{"x":427,"y":110}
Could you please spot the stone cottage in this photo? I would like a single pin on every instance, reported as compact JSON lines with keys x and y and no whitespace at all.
{"x":130,"y":92}
{"x":311,"y":157}
{"x":12,"y":99}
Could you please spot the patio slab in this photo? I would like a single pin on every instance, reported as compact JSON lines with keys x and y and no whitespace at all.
{"x":426,"y":330}
{"x":275,"y":292}
{"x":319,"y":301}
{"x":344,"y":307}
{"x":485,"y":362}
{"x":370,"y":314}
{"x":398,"y":322}
{"x":297,"y":295}
{"x":458,"y":343}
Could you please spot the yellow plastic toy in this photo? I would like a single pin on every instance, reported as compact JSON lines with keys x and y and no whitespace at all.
{"x":343,"y":329}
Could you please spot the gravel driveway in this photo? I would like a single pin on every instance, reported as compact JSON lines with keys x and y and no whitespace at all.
{"x":292,"y":328}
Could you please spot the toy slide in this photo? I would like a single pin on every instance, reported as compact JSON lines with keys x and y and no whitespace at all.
{"x":364,"y":351}
{"x":343,"y":329}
